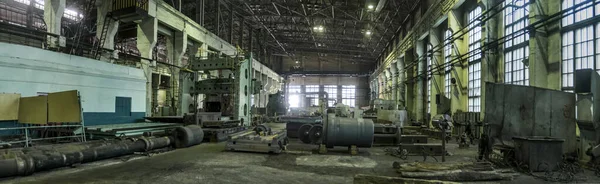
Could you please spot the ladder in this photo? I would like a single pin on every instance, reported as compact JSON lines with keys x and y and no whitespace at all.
{"x":97,"y":48}
{"x":89,"y":9}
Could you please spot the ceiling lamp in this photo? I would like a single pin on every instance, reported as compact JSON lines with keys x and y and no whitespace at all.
{"x":318,"y":28}
{"x":370,"y":7}
{"x":368,"y":32}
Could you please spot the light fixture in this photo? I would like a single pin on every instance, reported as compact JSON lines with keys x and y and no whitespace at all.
{"x":297,"y":62}
{"x":318,"y":28}
{"x":368,"y":32}
{"x":370,"y":7}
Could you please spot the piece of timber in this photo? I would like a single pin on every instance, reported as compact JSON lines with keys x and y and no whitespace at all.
{"x":251,"y":142}
{"x":420,"y":149}
{"x":220,"y":134}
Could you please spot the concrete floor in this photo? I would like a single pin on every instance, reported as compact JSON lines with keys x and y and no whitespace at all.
{"x":209,"y":163}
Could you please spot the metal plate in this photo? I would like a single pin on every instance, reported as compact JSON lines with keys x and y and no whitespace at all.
{"x":33,"y":110}
{"x":64,"y":107}
{"x":9,"y":106}
{"x":512,"y":110}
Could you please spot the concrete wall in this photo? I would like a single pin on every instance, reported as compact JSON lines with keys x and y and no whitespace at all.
{"x":29,"y":71}
{"x":361,"y":83}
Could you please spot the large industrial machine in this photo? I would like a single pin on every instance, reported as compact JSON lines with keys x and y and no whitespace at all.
{"x":227,"y":89}
{"x":231,"y":91}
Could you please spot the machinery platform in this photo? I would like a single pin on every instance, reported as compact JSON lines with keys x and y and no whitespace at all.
{"x":250,"y":141}
{"x":411,"y":139}
{"x":221,"y":124}
{"x":220,"y":134}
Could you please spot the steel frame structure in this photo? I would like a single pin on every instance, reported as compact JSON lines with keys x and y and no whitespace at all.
{"x":286,"y":27}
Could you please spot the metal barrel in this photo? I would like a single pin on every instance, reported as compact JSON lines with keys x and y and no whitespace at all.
{"x":341,"y":131}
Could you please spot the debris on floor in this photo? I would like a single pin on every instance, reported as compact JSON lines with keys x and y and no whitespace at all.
{"x":369,"y":179}
{"x":460,"y":175}
{"x":430,"y":167}
{"x":464,"y":171}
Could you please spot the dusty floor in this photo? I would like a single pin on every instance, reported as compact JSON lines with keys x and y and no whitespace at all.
{"x":209,"y":163}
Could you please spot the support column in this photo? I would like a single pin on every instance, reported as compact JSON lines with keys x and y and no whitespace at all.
{"x":194,"y":52}
{"x":544,"y":64}
{"x":388,"y":84}
{"x":107,"y":53}
{"x":180,"y":44}
{"x":459,"y":69}
{"x":30,"y":15}
{"x":146,"y":40}
{"x":491,"y":59}
{"x":421,"y":74}
{"x":437,"y":83}
{"x":264,"y":95}
{"x":411,"y":94}
{"x":200,"y":12}
{"x":381,"y":86}
{"x":53,"y":13}
{"x":373,"y":86}
{"x":394,"y":75}
{"x":401,"y":75}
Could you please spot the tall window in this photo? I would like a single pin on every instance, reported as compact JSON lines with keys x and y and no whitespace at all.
{"x":314,"y":98}
{"x":474,"y":60}
{"x":516,"y":47}
{"x":447,"y":60}
{"x":349,"y":95}
{"x":580,"y":40}
{"x":332,"y":94}
{"x":429,"y":77}
{"x":293,"y":96}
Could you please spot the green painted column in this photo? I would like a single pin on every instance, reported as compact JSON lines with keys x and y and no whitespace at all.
{"x":545,"y":47}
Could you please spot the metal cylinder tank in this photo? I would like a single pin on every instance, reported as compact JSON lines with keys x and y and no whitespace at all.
{"x":341,"y":131}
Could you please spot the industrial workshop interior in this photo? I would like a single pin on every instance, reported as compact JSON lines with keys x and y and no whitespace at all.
{"x":300,"y":91}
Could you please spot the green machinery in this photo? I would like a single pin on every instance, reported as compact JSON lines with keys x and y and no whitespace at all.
{"x":230,"y":92}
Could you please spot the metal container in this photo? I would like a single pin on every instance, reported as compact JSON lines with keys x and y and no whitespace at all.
{"x":340,"y":131}
{"x":539,"y":153}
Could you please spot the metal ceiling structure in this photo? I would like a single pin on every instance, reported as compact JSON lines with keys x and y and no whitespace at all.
{"x":358,"y":28}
